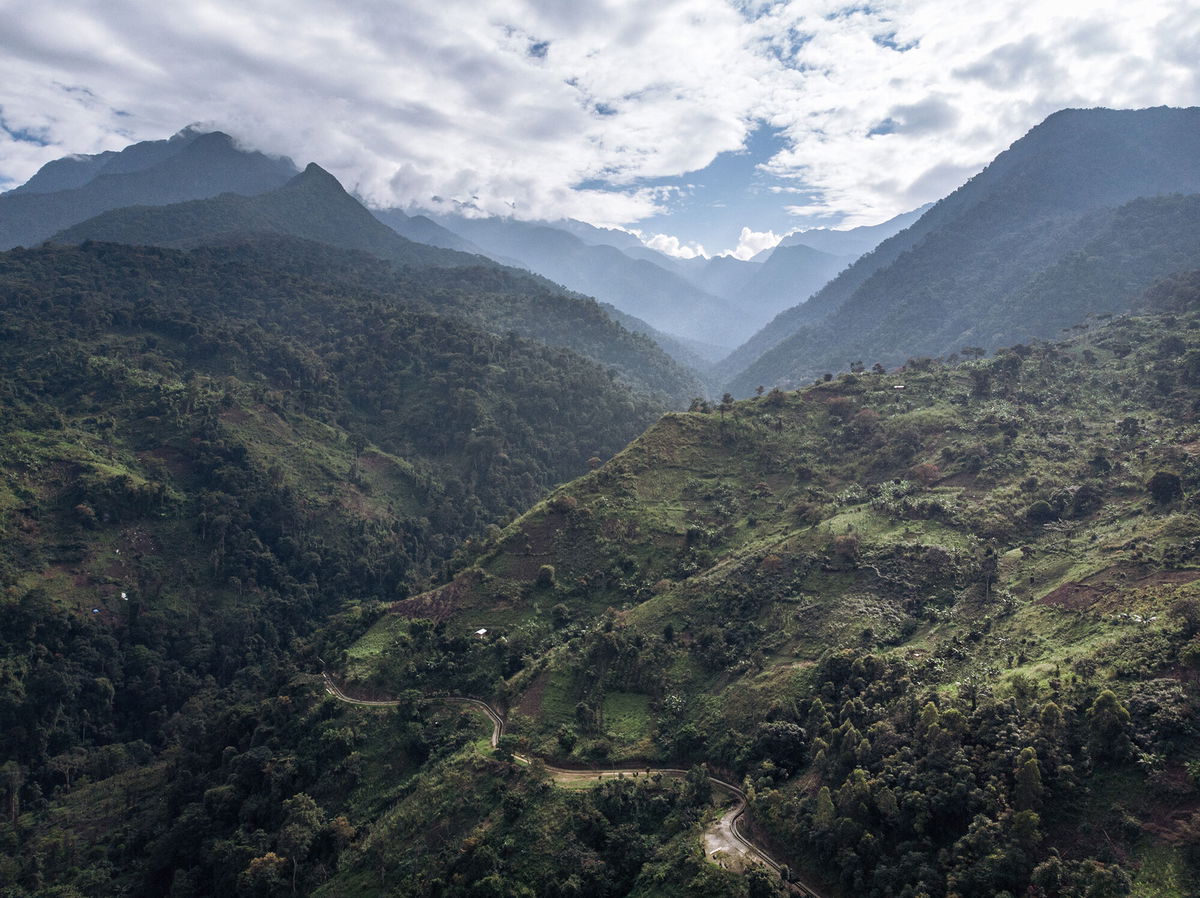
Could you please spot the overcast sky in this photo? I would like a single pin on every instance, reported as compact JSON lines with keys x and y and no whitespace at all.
{"x":698,"y":122}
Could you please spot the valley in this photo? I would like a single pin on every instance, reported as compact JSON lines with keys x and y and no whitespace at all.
{"x":356,"y":550}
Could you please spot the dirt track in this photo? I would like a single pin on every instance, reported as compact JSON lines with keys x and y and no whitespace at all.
{"x":724,"y":844}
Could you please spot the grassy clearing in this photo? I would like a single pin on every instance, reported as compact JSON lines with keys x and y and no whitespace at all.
{"x":627,"y":715}
{"x":1162,"y":873}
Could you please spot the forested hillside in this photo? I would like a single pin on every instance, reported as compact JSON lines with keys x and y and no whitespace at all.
{"x":285,"y":227}
{"x":204,"y":459}
{"x":943,"y":623}
{"x":1118,"y":253}
{"x":922,"y":291}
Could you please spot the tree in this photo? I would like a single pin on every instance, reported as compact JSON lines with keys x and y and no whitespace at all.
{"x":262,"y":876}
{"x":506,"y":746}
{"x":1187,"y":612}
{"x":1165,"y":487}
{"x":12,"y":775}
{"x":1108,"y":726}
{"x":302,"y":820}
{"x":826,"y":814}
{"x":1027,"y":782}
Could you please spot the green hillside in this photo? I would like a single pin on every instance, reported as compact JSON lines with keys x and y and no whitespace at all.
{"x":970,"y":257}
{"x":943,"y":623}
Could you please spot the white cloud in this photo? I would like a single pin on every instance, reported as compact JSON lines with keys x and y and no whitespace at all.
{"x":512,"y":105}
{"x":672,"y":246}
{"x":751,"y":243}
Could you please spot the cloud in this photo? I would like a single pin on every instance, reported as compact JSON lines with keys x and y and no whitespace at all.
{"x":751,"y":243}
{"x":544,"y":109}
{"x":673,"y":246}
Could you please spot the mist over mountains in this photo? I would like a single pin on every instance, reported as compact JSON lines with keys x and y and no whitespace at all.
{"x":191,"y":165}
{"x":1002,"y":259}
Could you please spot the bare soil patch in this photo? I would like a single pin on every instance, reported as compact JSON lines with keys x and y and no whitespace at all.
{"x":531,"y":702}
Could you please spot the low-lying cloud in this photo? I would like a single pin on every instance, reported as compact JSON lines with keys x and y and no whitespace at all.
{"x":543,"y":109}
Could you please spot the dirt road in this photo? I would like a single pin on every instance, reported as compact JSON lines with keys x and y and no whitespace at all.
{"x":724,"y":844}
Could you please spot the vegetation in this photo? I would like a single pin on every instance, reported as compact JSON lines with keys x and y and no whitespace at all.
{"x":213,"y":476}
{"x":352,"y":251}
{"x":942,"y":624}
{"x":1074,"y":219}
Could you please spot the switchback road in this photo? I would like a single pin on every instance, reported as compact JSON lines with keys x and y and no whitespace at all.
{"x":724,"y":843}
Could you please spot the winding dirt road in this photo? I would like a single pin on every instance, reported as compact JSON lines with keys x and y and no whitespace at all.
{"x":724,"y":844}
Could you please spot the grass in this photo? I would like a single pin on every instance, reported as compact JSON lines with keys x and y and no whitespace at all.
{"x":1162,"y":873}
{"x":627,"y":715}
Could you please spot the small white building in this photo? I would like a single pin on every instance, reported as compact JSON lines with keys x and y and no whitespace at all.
{"x":481,"y":632}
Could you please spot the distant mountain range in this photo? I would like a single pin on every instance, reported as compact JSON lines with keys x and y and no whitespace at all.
{"x":853,"y":242}
{"x":312,"y":205}
{"x":639,"y":287}
{"x":191,"y":165}
{"x":709,"y":303}
{"x":302,"y":225}
{"x":989,"y":264}
{"x":1073,"y":220}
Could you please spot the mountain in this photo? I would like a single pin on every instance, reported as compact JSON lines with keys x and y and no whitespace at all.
{"x":637,"y":287}
{"x":72,"y":172}
{"x":189,"y":166}
{"x":939,"y":628}
{"x":974,"y":250}
{"x":313,"y":206}
{"x":504,"y":302}
{"x":941,"y":614}
{"x":723,"y":276}
{"x":422,"y":229}
{"x":787,"y":277}
{"x":853,"y":241}
{"x":594,"y":236}
{"x":213,"y":471}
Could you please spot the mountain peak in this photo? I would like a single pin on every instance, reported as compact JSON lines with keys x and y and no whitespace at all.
{"x":315,"y":177}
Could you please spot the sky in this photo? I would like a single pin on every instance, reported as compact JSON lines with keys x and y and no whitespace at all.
{"x":705,"y":126}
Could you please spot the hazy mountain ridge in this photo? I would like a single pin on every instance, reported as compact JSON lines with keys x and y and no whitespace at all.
{"x":637,"y":287}
{"x":854,"y":242}
{"x":312,"y":205}
{"x":193,"y":166}
{"x":972,"y":249}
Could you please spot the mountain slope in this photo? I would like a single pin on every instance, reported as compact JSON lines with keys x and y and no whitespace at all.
{"x":635,"y":286}
{"x":1119,"y":254}
{"x":202,"y":461}
{"x":311,"y":206}
{"x":314,"y":207}
{"x":1020,"y":215}
{"x":854,"y":241}
{"x":190,"y":166}
{"x":502,"y":301}
{"x":421,"y":229}
{"x":963,"y":640}
{"x":788,"y":276}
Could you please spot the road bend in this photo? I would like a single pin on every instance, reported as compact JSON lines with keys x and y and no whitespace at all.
{"x":724,"y":842}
